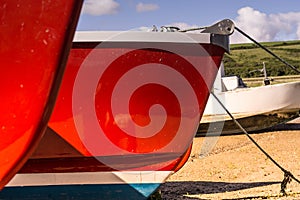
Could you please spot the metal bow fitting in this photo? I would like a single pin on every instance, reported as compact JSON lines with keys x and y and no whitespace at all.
{"x":224,"y":27}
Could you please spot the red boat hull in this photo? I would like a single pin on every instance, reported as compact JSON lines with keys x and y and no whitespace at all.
{"x":126,"y":114}
{"x":134,"y":98}
{"x":35,"y":40}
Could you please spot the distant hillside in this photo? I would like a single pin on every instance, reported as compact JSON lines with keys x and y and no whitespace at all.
{"x":246,"y":59}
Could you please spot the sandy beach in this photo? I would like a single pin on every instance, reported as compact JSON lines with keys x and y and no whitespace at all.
{"x":232,"y":167}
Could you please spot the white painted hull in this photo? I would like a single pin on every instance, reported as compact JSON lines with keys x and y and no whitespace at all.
{"x":256,"y":108}
{"x":246,"y":102}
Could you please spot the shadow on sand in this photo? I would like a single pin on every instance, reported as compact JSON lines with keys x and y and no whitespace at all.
{"x":285,"y":127}
{"x":290,"y":126}
{"x":177,"y":190}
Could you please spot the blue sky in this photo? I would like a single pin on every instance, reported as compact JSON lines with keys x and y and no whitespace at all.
{"x":265,"y":20}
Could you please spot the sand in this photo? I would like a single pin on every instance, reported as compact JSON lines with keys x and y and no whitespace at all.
{"x":236,"y":169}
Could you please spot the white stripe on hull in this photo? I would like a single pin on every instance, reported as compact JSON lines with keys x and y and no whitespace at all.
{"x":75,"y":178}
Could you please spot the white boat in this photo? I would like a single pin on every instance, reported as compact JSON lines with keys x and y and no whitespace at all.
{"x":256,"y":108}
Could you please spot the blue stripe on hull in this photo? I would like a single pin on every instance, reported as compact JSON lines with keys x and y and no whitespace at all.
{"x":79,"y":192}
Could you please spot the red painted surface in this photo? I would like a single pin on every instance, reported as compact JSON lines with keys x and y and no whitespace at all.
{"x":118,"y":142}
{"x":35,"y":41}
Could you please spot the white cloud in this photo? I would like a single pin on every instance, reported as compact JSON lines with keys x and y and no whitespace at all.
{"x":263,"y":27}
{"x":298,"y":31}
{"x":100,"y":7}
{"x":142,"y":7}
{"x":183,"y":26}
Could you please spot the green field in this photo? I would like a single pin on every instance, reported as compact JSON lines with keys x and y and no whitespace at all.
{"x":246,"y":59}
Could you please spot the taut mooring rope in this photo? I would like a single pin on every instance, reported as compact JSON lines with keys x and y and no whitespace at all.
{"x":287,"y":175}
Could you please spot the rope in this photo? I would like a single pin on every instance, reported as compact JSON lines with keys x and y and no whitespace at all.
{"x":288,"y":176}
{"x":253,"y":40}
{"x":286,"y":179}
{"x":192,"y":29}
{"x":267,"y":50}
